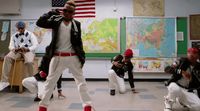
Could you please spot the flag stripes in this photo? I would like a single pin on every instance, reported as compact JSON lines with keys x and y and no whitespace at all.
{"x":85,"y":9}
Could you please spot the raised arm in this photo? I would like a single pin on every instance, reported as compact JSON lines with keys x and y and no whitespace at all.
{"x":47,"y":20}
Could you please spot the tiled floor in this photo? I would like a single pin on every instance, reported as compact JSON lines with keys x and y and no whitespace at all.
{"x":149,"y":98}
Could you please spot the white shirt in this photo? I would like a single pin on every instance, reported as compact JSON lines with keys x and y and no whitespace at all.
{"x":28,"y":40}
{"x":64,"y":38}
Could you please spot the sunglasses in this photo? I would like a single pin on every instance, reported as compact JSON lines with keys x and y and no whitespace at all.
{"x":68,"y":11}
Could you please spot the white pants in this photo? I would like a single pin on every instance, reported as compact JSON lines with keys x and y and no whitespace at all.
{"x":189,"y":99}
{"x":116,"y":81}
{"x":57,"y":65}
{"x":34,"y":86}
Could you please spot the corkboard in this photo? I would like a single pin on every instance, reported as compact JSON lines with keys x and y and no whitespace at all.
{"x":195,"y":27}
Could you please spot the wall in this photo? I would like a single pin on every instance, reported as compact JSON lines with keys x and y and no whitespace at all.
{"x":94,"y":68}
{"x":181,"y":8}
{"x":32,"y":9}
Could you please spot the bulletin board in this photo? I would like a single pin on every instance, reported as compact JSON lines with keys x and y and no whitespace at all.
{"x":154,"y":63}
{"x":195,"y":27}
{"x":182,"y":26}
{"x":5,"y":37}
{"x":151,"y":37}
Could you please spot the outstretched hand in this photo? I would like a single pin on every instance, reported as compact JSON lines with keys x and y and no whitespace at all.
{"x":186,"y":75}
{"x":42,"y":74}
{"x":117,"y":64}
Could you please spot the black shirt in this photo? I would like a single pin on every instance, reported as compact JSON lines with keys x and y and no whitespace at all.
{"x":126,"y":66}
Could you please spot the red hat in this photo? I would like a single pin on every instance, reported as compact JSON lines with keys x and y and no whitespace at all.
{"x":193,"y":50}
{"x":128,"y":53}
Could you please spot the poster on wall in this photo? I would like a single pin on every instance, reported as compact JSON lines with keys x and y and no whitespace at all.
{"x":151,"y":37}
{"x":195,"y":27}
{"x":195,"y":44}
{"x":151,"y":64}
{"x":148,"y":7}
{"x":43,"y":35}
{"x":5,"y":37}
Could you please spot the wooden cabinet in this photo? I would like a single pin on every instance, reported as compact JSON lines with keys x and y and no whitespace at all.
{"x":18,"y":73}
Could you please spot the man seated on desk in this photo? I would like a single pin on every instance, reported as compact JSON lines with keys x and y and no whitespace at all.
{"x":22,"y":44}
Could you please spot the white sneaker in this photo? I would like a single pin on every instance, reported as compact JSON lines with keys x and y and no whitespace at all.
{"x":3,"y":85}
{"x":166,"y":109}
{"x":168,"y":104}
{"x":182,"y":104}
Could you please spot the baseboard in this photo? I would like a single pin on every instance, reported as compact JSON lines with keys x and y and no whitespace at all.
{"x":104,"y":79}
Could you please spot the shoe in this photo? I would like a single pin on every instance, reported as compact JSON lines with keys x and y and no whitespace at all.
{"x":51,"y":96}
{"x":61,"y":96}
{"x":166,"y":109}
{"x":41,"y":108}
{"x":36,"y":99}
{"x":112,"y":92}
{"x":87,"y":108}
{"x":134,"y":91}
{"x":182,"y":104}
{"x":168,"y":104}
{"x":3,"y":85}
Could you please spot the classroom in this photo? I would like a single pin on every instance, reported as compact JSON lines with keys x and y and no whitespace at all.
{"x":84,"y":44}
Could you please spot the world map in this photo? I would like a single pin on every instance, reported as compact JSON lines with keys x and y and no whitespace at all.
{"x":148,"y":7}
{"x":151,"y":37}
{"x":100,"y":35}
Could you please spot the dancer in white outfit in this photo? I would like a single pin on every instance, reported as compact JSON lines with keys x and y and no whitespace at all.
{"x":66,"y":50}
{"x":184,"y":82}
{"x":121,"y":64}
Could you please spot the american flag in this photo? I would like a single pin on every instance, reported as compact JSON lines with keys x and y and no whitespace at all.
{"x":84,"y":8}
{"x":58,"y":3}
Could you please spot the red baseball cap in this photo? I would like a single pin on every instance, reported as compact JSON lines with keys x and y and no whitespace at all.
{"x":128,"y":53}
{"x":193,"y":50}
